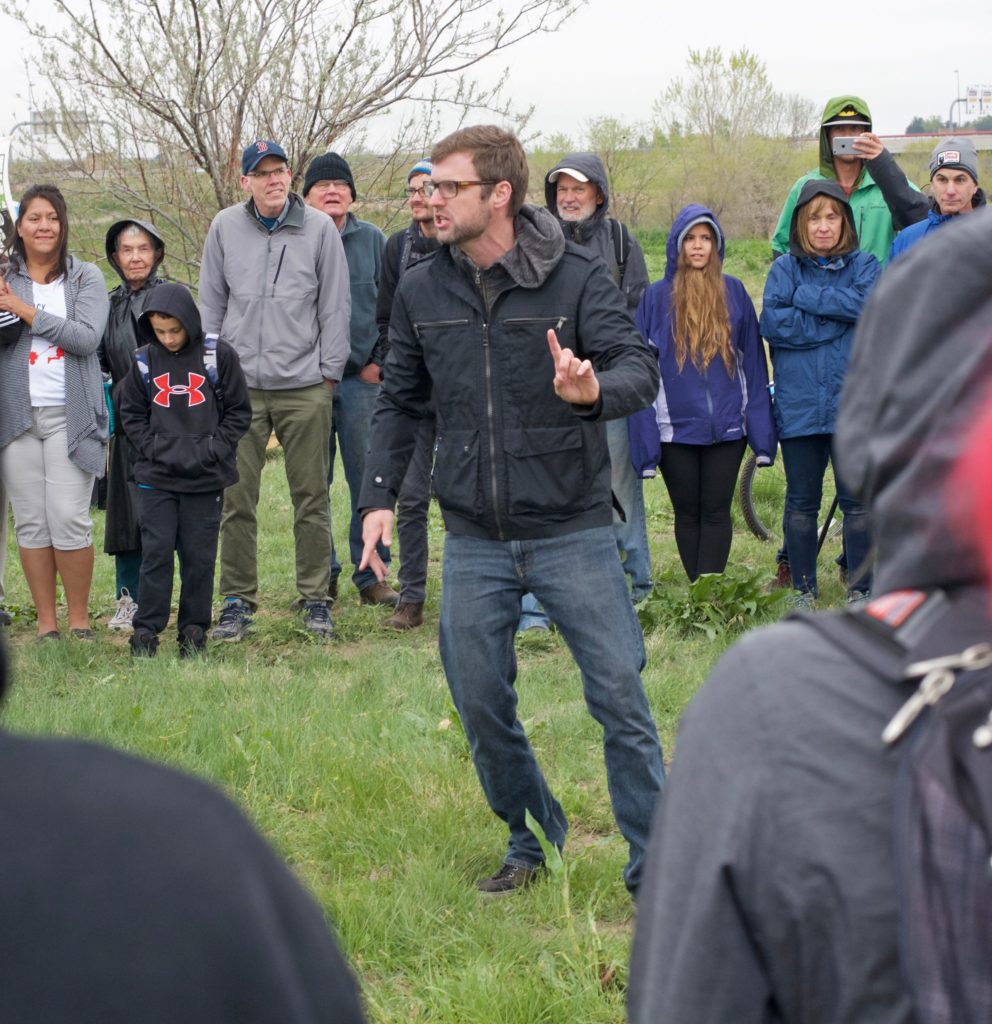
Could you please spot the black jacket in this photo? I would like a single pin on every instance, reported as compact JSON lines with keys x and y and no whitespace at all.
{"x":408,"y":246}
{"x":120,"y":339}
{"x":133,"y":893}
{"x":186,"y":440}
{"x":513,"y":460}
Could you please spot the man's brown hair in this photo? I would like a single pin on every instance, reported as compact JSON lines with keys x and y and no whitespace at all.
{"x":497,"y":155}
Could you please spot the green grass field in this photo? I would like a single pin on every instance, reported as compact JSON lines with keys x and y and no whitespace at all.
{"x":349,"y":758}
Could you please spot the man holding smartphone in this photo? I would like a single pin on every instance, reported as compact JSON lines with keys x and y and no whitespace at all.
{"x":843,"y":118}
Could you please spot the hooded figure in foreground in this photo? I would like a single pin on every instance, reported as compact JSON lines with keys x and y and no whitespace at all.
{"x":769,"y":892}
{"x":132,"y":892}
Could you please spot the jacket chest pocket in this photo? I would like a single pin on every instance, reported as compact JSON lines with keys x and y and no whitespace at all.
{"x":456,"y":471}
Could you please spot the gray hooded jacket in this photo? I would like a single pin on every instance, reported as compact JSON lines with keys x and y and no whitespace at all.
{"x":596,"y":232}
{"x":769,"y":891}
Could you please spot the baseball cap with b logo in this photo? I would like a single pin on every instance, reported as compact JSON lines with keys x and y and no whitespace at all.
{"x":259,"y":150}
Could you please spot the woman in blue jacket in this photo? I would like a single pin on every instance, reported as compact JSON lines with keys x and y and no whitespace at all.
{"x":713,"y":398}
{"x":813,"y":297}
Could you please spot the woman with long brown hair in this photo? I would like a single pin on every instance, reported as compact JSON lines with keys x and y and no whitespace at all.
{"x":53,"y":420}
{"x":713,"y":399}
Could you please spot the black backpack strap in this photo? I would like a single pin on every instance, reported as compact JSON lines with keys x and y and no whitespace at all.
{"x":621,"y":246}
{"x":406,"y":249}
{"x":883,"y":634}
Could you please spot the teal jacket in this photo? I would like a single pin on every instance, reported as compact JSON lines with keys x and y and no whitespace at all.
{"x":363,"y":247}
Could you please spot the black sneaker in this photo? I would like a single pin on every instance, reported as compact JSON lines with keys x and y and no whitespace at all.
{"x":192,"y":642}
{"x":144,"y":644}
{"x":317,"y":620}
{"x":234,"y":622}
{"x":509,"y":878}
{"x":5,"y":619}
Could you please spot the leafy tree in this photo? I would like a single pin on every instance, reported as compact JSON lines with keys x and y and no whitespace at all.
{"x":730,"y":125}
{"x":173,"y":89}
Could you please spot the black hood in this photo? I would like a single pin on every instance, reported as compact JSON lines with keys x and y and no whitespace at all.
{"x":810,"y":191}
{"x":170,"y":300}
{"x":919,"y":375}
{"x":592,"y":167}
{"x":111,"y":245}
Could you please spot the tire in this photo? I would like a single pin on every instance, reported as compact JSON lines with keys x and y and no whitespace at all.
{"x":749,"y":497}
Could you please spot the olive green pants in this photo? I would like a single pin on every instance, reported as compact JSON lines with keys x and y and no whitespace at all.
{"x":301,"y":421}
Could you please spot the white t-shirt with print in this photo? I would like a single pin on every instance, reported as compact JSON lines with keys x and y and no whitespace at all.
{"x":46,"y":371}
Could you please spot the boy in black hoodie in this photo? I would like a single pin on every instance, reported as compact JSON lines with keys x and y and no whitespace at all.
{"x":184,"y":407}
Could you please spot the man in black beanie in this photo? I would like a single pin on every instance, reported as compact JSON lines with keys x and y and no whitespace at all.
{"x":329,"y":186}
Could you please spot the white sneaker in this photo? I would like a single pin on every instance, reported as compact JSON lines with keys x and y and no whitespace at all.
{"x":125,"y":612}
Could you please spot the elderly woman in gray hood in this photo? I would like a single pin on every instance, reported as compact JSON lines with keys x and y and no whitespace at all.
{"x":135,"y":250}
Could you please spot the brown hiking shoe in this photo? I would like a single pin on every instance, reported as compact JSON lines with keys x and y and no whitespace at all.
{"x":378,"y":593}
{"x":408,"y":615}
{"x":508,"y":879}
{"x":783,"y":577}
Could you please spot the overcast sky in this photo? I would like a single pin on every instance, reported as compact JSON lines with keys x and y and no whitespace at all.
{"x":614,"y":57}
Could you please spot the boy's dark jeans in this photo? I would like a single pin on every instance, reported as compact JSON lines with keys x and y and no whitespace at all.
{"x":190,"y":524}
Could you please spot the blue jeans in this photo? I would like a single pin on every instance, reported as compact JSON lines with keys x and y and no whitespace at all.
{"x":354,"y":401}
{"x":628,"y":488}
{"x":579,"y":580}
{"x":805,"y":460}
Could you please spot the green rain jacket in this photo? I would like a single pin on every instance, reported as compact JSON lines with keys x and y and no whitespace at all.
{"x":871,"y":215}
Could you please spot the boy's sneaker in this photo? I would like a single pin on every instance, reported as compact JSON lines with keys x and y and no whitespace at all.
{"x":317,"y":619}
{"x":123,"y":618}
{"x":144,"y":644}
{"x":508,"y":879}
{"x":234,"y":622}
{"x":192,"y":642}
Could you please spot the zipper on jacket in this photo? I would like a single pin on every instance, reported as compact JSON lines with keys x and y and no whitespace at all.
{"x":562,"y":320}
{"x":490,"y":413}
{"x":438,"y":323}
{"x":282,"y":256}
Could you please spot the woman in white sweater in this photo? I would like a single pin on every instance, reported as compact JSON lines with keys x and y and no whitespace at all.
{"x":53,"y":420}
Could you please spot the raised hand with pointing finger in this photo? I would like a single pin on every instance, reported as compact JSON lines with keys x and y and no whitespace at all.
{"x":575,"y":379}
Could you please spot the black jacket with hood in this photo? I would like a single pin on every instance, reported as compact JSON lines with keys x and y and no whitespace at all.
{"x":186,"y":439}
{"x":597,"y":232}
{"x":122,"y":533}
{"x":770,"y":891}
{"x":513,"y":460}
{"x":132,"y":892}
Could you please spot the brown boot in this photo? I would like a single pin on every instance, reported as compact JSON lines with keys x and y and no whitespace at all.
{"x":408,"y":615}
{"x":378,"y":593}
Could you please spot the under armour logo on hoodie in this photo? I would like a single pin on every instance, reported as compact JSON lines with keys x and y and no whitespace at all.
{"x":191,"y":389}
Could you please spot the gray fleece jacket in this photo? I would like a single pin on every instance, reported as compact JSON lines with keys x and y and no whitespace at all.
{"x":281,"y":298}
{"x":78,"y":335}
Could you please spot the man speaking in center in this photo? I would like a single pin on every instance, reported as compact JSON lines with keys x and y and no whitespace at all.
{"x":526,"y":346}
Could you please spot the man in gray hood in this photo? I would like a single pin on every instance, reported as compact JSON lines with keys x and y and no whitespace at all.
{"x":770,"y":888}
{"x":576,"y":191}
{"x":525,"y":347}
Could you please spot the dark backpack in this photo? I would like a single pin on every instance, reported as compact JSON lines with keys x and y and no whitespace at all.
{"x":942,"y":822}
{"x":621,"y":246}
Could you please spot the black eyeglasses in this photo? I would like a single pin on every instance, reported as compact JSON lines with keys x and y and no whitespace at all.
{"x":449,"y":189}
{"x":422,"y":191}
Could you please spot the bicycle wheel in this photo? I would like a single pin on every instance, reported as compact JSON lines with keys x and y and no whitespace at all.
{"x":761,"y":499}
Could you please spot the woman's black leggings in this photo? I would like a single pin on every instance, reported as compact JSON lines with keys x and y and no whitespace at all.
{"x":701,"y":479}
